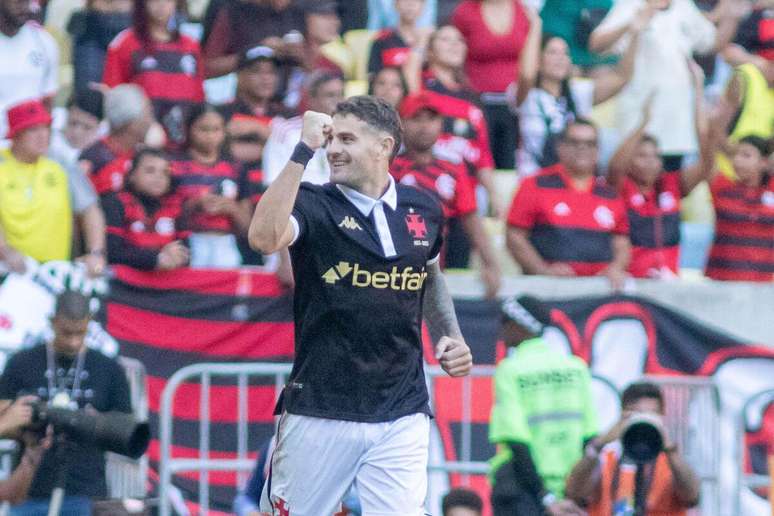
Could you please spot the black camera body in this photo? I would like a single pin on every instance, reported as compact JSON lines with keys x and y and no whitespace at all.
{"x":115,"y":432}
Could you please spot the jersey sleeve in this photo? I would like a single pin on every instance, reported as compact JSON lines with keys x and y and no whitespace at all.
{"x":523,"y":211}
{"x":508,"y":422}
{"x":621,"y":218}
{"x":116,"y":66}
{"x":464,"y":194}
{"x":485,"y":158}
{"x":302,"y":214}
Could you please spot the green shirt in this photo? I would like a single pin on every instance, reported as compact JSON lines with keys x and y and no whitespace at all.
{"x":543,"y":399}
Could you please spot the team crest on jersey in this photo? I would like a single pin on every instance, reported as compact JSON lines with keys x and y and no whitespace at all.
{"x":604,"y":217}
{"x":409,"y":180}
{"x":767,"y":199}
{"x":637,"y":199}
{"x":149,"y":63}
{"x":137,"y":226}
{"x":188,"y":64}
{"x":666,"y":201}
{"x":350,"y":223}
{"x":417,"y":228}
{"x":165,"y":226}
{"x":446,"y":186}
{"x":460,"y":126}
{"x":562,"y":209}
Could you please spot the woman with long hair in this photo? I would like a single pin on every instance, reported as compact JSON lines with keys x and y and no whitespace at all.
{"x":165,"y":63}
{"x":216,"y":205}
{"x":548,"y":97}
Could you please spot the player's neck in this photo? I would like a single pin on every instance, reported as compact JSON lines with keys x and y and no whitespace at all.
{"x":374,"y":187}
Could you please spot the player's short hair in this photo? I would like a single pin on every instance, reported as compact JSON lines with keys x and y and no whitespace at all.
{"x":639,"y":390}
{"x":460,"y":497}
{"x":375,"y":112}
{"x":73,"y":306}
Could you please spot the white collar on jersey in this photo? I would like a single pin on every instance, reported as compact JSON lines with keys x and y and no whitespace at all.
{"x":365,"y":204}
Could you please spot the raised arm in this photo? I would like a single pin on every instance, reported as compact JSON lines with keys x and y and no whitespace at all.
{"x":529,"y":63}
{"x":702,"y":169}
{"x":621,"y":162}
{"x":602,"y":39}
{"x":450,"y":349}
{"x":270,"y":229}
{"x":609,"y":84}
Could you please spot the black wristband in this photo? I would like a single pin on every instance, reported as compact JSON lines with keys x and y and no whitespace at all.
{"x":302,"y":154}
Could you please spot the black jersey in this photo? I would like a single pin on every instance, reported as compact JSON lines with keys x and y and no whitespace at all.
{"x":357,"y":307}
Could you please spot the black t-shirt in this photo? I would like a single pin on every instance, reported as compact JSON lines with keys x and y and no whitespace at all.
{"x":103,"y":386}
{"x":358,"y":314}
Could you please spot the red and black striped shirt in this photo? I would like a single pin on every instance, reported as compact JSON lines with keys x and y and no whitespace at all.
{"x":569,"y":225}
{"x":105,"y":166}
{"x":446,"y":181}
{"x":171,"y":73}
{"x":137,"y":227}
{"x":743,"y":249}
{"x":654,"y":225}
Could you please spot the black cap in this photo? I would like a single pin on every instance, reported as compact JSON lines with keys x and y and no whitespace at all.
{"x":257,"y":53}
{"x":528,"y":312}
{"x":321,"y":7}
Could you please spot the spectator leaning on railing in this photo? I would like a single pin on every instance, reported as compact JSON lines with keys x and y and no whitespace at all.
{"x":564,"y":221}
{"x":38,"y":198}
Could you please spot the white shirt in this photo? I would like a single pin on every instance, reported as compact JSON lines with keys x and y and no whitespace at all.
{"x":29,"y":68}
{"x":285,"y":134}
{"x":541,"y":111}
{"x":660,"y":67}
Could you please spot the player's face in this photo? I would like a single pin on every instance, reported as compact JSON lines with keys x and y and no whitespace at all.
{"x":647,"y":163}
{"x":69,"y":335}
{"x":422,"y":130}
{"x":354,"y":152}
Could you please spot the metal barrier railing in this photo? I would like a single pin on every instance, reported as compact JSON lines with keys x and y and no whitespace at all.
{"x":692,"y":418}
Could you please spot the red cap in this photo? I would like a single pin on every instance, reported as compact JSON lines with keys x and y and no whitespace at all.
{"x":416,"y":102}
{"x":25,"y":115}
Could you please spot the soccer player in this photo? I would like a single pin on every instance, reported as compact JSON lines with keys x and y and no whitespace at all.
{"x":365,"y":259}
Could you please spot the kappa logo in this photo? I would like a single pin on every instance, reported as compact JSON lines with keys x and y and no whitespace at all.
{"x":350,"y":223}
{"x":407,"y":279}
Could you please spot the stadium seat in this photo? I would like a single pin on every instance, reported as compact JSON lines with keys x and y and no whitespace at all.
{"x":353,"y":88}
{"x":359,"y":43}
{"x":338,"y":52}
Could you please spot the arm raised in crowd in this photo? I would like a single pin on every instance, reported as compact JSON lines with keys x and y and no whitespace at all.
{"x":603,"y":38}
{"x":529,"y":62}
{"x":438,"y":309}
{"x":702,"y":169}
{"x":610,"y":83}
{"x":621,"y":162}
{"x":270,"y":229}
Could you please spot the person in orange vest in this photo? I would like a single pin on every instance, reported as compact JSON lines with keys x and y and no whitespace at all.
{"x":604,"y":480}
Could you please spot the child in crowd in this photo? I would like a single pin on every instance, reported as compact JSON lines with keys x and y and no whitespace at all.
{"x":143,"y":219}
{"x":215,"y":203}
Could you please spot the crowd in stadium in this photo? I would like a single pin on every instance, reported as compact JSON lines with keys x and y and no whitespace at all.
{"x":144,"y":133}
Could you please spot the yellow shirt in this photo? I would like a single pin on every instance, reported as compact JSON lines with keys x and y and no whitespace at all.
{"x":35,"y":213}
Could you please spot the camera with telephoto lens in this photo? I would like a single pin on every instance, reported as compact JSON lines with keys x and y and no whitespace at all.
{"x":641,"y":438}
{"x":115,"y":432}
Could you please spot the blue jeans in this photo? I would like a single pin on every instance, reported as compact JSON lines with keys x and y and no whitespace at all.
{"x":71,"y":506}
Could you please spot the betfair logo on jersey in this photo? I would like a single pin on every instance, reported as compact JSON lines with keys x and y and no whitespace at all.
{"x":350,"y":223}
{"x":407,"y":279}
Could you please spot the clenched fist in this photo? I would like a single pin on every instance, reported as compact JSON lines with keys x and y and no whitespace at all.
{"x":316,"y":129}
{"x":454,"y":356}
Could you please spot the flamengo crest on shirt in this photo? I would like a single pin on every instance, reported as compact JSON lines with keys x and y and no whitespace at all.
{"x":350,"y":223}
{"x":415,"y":224}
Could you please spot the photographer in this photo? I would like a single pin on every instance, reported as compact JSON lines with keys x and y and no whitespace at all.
{"x":605,"y":481}
{"x":12,"y":420}
{"x":66,"y":374}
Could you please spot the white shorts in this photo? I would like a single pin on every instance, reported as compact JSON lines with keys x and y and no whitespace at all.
{"x":317,"y":460}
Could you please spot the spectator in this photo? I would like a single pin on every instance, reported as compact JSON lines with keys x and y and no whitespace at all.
{"x":66,"y":368}
{"x":743,"y":249}
{"x":495,"y":32}
{"x":383,"y":14}
{"x":216,"y":201}
{"x":389,"y":84}
{"x":573,"y":21}
{"x":81,"y":127}
{"x":542,"y":418}
{"x":564,"y":221}
{"x":392,"y":46}
{"x":13,"y":420}
{"x":243,"y":24}
{"x":444,"y":179}
{"x":754,"y":40}
{"x":465,"y":133}
{"x":353,"y":15}
{"x":321,"y":27}
{"x":29,"y":58}
{"x":324,"y":91}
{"x":92,"y":29}
{"x":652,"y":195}
{"x":673,"y":31}
{"x":130,"y":116}
{"x":603,"y":480}
{"x":462,"y":502}
{"x":165,"y":63}
{"x":547,"y":97}
{"x":143,"y":219}
{"x":38,"y":198}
